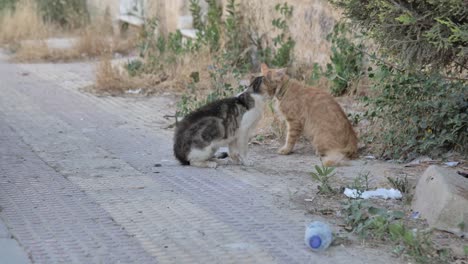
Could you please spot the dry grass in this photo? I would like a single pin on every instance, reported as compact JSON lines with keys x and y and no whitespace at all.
{"x":113,"y":78}
{"x":22,"y":24}
{"x":24,"y":32}
{"x":91,"y":42}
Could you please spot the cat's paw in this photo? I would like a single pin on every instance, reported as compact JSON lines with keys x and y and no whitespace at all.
{"x":284,"y":151}
{"x":204,"y":164}
{"x":211,"y":164}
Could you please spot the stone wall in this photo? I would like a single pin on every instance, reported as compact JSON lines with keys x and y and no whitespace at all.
{"x":311,"y":22}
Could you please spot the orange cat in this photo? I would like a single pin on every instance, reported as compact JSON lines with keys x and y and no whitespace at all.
{"x":313,"y":112}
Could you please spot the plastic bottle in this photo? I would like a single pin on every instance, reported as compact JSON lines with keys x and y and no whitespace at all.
{"x":318,"y":236}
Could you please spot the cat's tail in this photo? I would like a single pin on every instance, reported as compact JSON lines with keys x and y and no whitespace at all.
{"x":335,"y":158}
{"x":181,"y":148}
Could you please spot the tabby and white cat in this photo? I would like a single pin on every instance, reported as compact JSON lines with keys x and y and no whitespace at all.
{"x":226,"y":122}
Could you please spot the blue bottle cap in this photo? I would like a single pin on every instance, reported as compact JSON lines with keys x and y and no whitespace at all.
{"x":315,"y":242}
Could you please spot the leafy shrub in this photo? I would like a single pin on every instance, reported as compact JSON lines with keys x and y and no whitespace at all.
{"x":226,"y":40}
{"x":71,"y":13}
{"x":418,"y":113}
{"x":281,"y":54}
{"x":420,"y":82}
{"x":212,"y":29}
{"x":346,"y":60}
{"x":424,"y":32}
{"x":235,"y":35}
{"x":195,"y":10}
{"x":7,"y":4}
{"x":221,"y":86}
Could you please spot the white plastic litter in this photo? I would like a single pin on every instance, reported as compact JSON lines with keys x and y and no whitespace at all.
{"x":379,"y":193}
{"x":451,"y":163}
{"x":136,"y":91}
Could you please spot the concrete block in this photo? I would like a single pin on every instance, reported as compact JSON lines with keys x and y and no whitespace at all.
{"x":185,"y":22}
{"x":442,"y":199}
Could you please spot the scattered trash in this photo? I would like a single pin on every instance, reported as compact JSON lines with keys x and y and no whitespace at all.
{"x":452,"y":163}
{"x":318,"y":236}
{"x":370,"y":157}
{"x":415,"y":215}
{"x":135,"y":91}
{"x":309,"y":200}
{"x":379,"y":193}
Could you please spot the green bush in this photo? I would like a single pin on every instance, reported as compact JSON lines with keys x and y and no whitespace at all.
{"x":420,"y":81}
{"x":7,"y":4}
{"x":346,"y":60}
{"x":426,"y":33}
{"x":226,"y":39}
{"x":418,"y":113}
{"x":281,"y":54}
{"x":70,"y":13}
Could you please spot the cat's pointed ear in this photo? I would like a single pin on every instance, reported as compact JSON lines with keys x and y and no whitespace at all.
{"x":264,"y":69}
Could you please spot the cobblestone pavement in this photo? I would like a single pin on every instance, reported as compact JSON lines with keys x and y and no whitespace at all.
{"x":86,"y":179}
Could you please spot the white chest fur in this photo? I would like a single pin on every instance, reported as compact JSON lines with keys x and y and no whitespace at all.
{"x":251,"y":117}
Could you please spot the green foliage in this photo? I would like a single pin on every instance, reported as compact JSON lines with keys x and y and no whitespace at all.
{"x":212,"y":30}
{"x":283,"y":56}
{"x":420,"y":84}
{"x":195,"y":10}
{"x":159,"y":51}
{"x":424,"y":33}
{"x":371,"y":222}
{"x":400,"y":183}
{"x":231,"y":60}
{"x":346,"y":60}
{"x":361,"y":183}
{"x":421,"y":113}
{"x":7,"y":5}
{"x":323,"y":175}
{"x":133,"y":67}
{"x":149,"y":43}
{"x":235,"y":36}
{"x":282,"y":53}
{"x":70,"y":13}
{"x":368,"y":221}
{"x":222,"y":88}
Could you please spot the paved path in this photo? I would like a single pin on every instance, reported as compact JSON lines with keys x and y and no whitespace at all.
{"x":85,"y":179}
